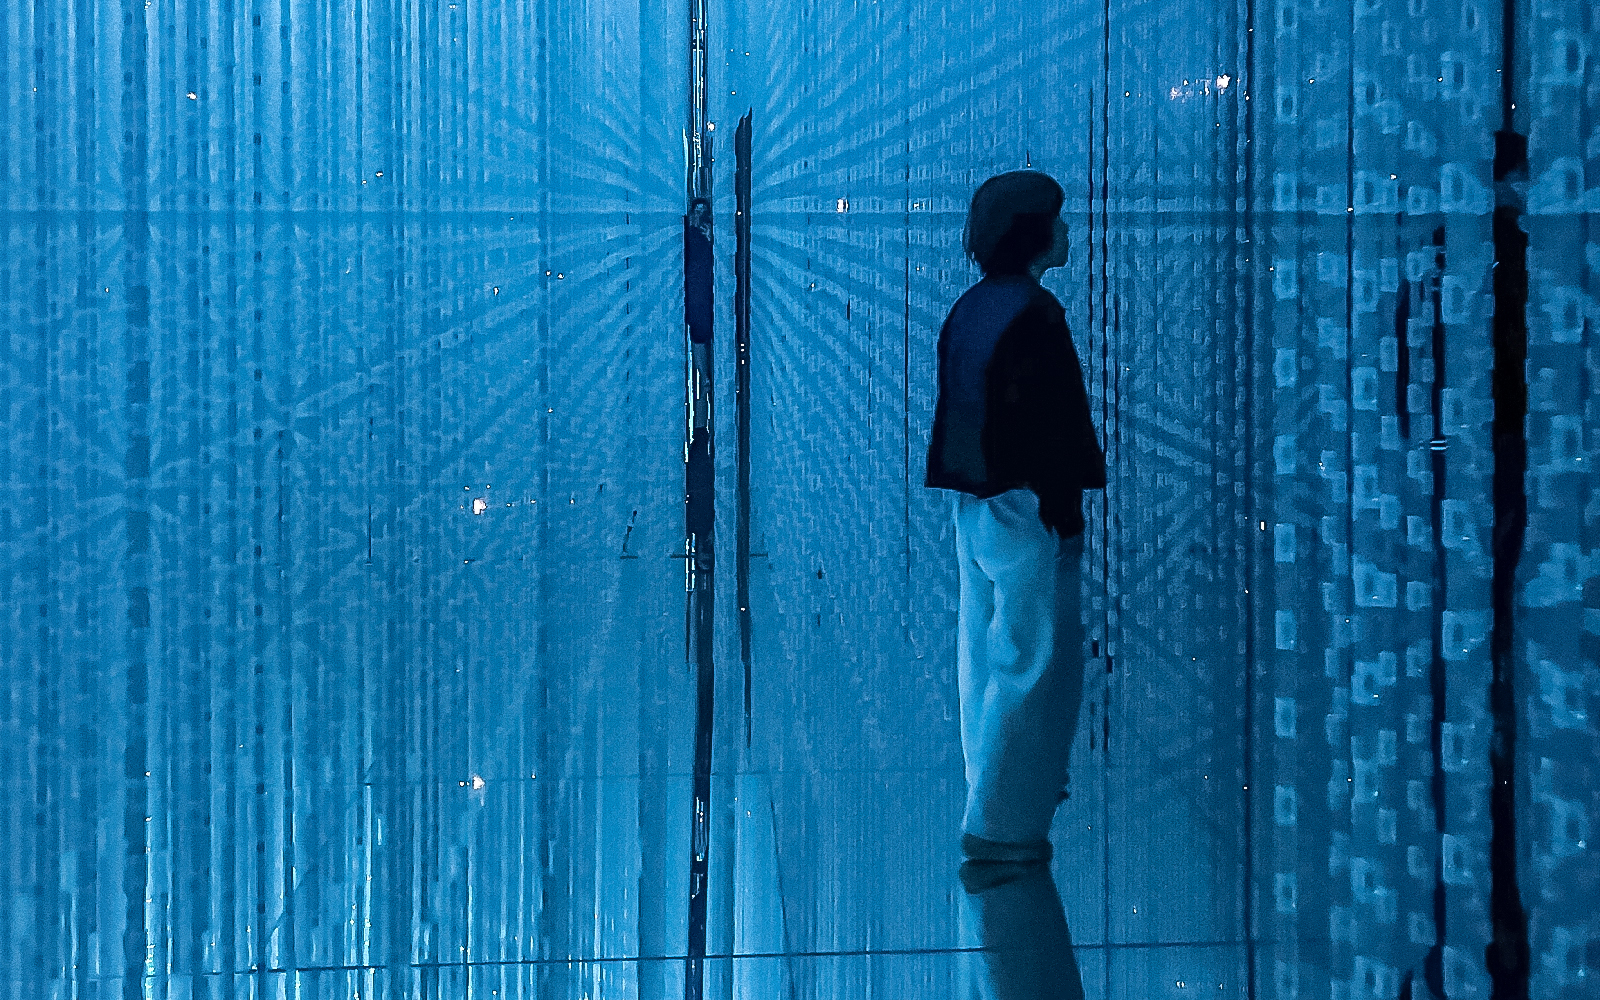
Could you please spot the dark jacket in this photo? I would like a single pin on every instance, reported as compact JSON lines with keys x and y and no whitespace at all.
{"x":1012,"y":410}
{"x":696,"y":282}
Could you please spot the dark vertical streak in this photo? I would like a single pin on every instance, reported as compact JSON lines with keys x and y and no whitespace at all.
{"x":284,"y":926}
{"x":258,"y":241}
{"x":43,"y":343}
{"x":700,"y":508}
{"x":1347,"y":656}
{"x":1402,"y":378}
{"x":1507,"y":956}
{"x":45,"y":339}
{"x":254,"y":807}
{"x":1433,"y":969}
{"x":136,"y":236}
{"x":1105,"y":188}
{"x":741,"y":318}
{"x":1248,"y":316}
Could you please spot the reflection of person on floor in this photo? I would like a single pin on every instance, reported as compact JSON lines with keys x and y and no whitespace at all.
{"x":1012,"y":436}
{"x":1020,"y":925}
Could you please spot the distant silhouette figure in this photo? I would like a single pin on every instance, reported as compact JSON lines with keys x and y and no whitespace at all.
{"x":1012,"y":436}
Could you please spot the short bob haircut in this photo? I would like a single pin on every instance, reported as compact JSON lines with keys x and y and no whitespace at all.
{"x":1012,"y":221}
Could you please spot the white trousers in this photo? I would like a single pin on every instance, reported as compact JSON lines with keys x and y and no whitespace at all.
{"x":1020,"y":656}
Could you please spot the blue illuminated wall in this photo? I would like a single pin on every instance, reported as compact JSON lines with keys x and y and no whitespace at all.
{"x":341,"y":494}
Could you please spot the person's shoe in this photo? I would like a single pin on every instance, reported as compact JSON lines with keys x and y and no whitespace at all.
{"x":981,"y":876}
{"x":983,"y":849}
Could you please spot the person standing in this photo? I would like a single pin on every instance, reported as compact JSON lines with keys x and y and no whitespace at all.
{"x":1013,"y":438}
{"x":697,"y":281}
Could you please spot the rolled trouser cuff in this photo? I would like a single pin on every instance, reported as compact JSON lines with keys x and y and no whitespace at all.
{"x":983,"y":849}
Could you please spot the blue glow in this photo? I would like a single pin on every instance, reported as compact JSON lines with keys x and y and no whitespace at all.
{"x":342,"y":496}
